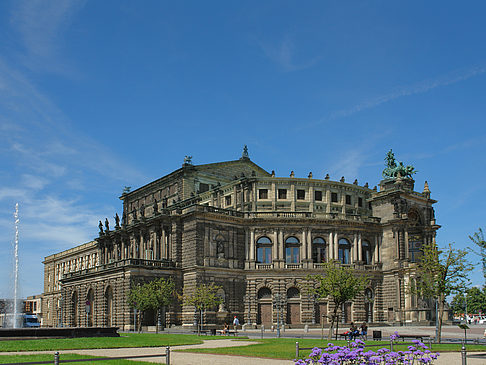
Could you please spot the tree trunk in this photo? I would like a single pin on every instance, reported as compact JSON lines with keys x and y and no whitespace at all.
{"x":157,"y":316}
{"x":333,"y":319}
{"x":441,"y":313}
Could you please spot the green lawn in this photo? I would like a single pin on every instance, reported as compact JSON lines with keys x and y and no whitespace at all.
{"x":284,"y":348}
{"x":5,"y":359}
{"x":125,"y":340}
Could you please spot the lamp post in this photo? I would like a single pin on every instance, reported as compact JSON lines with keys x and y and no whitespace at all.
{"x":278,"y":302}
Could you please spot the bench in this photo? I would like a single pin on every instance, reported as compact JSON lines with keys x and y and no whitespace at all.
{"x":346,"y":335}
{"x":414,"y":337}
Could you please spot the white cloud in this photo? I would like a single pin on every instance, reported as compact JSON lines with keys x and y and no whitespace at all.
{"x":419,"y":88}
{"x":40,"y":24}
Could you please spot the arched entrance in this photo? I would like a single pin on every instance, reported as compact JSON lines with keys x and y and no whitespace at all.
{"x":368,"y":302}
{"x":293,"y":306}
{"x":74,"y":309}
{"x":109,"y":306}
{"x":90,"y":308}
{"x":265,"y":307}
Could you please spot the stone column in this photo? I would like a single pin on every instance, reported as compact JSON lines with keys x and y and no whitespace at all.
{"x":303,"y":249}
{"x":330,"y":247}
{"x":336,"y":246}
{"x":254,"y":208}
{"x":311,"y":198}
{"x":406,"y":245}
{"x":309,"y":244}
{"x":281,"y":247}
{"x":252,"y":245}
{"x":293,"y":197}
{"x":354,"y":253}
{"x":247,"y":246}
{"x":328,"y":201}
{"x":360,"y":248}
{"x":235,"y":197}
{"x":375,"y":250}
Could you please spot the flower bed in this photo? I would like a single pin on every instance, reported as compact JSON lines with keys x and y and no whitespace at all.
{"x":356,"y":353}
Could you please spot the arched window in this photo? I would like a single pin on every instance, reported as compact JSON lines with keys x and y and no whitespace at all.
{"x":292,"y":249}
{"x":264,"y":293}
{"x":264,"y":250}
{"x":366,"y":251}
{"x":293,"y":293}
{"x":344,"y":248}
{"x":318,"y":250}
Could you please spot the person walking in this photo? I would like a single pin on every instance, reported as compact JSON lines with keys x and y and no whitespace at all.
{"x":236,"y":323}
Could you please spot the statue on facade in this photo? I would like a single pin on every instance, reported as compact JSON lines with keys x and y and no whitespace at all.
{"x":134,"y":213}
{"x":142,"y":211}
{"x":244,"y":154}
{"x":155,"y":207}
{"x":187,"y":160}
{"x":107,"y":225}
{"x":394,"y":170}
{"x":117,"y":220}
{"x":164,"y":203}
{"x":100,"y":226}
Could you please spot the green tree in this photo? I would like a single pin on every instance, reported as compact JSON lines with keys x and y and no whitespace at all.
{"x":440,"y":274}
{"x":155,"y":295}
{"x":478,"y":239}
{"x":458,"y":304}
{"x":137,"y":299}
{"x":340,"y":284}
{"x":476,"y":300}
{"x":205,"y":297}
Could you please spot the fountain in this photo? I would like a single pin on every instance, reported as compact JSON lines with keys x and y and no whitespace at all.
{"x":13,"y":317}
{"x":16,"y":269}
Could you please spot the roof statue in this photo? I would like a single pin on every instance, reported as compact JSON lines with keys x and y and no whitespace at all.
{"x":244,"y":154}
{"x":187,"y":160}
{"x":392,"y":170}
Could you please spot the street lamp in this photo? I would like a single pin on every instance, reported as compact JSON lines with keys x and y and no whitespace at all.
{"x":278,"y":303}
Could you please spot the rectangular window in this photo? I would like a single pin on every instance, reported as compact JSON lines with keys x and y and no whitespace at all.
{"x":348,"y":199}
{"x":264,"y":255}
{"x":292,"y":255}
{"x":227,"y":200}
{"x":301,"y":194}
{"x":203,"y":187}
{"x":334,"y":197}
{"x":282,"y":193}
{"x":263,"y":194}
{"x":318,"y":195}
{"x":360,"y":202}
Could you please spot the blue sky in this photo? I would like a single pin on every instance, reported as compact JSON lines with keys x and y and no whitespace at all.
{"x":98,"y":95}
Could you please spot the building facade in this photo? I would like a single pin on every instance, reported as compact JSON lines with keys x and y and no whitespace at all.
{"x":255,"y":235}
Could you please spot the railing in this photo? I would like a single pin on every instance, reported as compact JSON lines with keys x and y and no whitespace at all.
{"x":293,"y":266}
{"x":121,"y":263}
{"x":210,"y":209}
{"x":57,"y":358}
{"x":264,"y":266}
{"x":300,"y":215}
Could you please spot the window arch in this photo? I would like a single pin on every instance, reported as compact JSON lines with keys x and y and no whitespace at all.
{"x":293,"y":293}
{"x":264,"y":293}
{"x":264,"y":250}
{"x":366,"y":251}
{"x":344,"y":248}
{"x":292,"y":250}
{"x":318,"y":250}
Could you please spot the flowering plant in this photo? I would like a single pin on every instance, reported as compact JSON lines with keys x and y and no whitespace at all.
{"x":356,"y":354}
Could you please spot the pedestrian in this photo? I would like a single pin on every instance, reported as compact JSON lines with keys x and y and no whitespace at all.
{"x":236,"y":323}
{"x":364,"y":331}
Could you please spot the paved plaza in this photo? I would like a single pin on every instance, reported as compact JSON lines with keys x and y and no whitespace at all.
{"x":186,"y":358}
